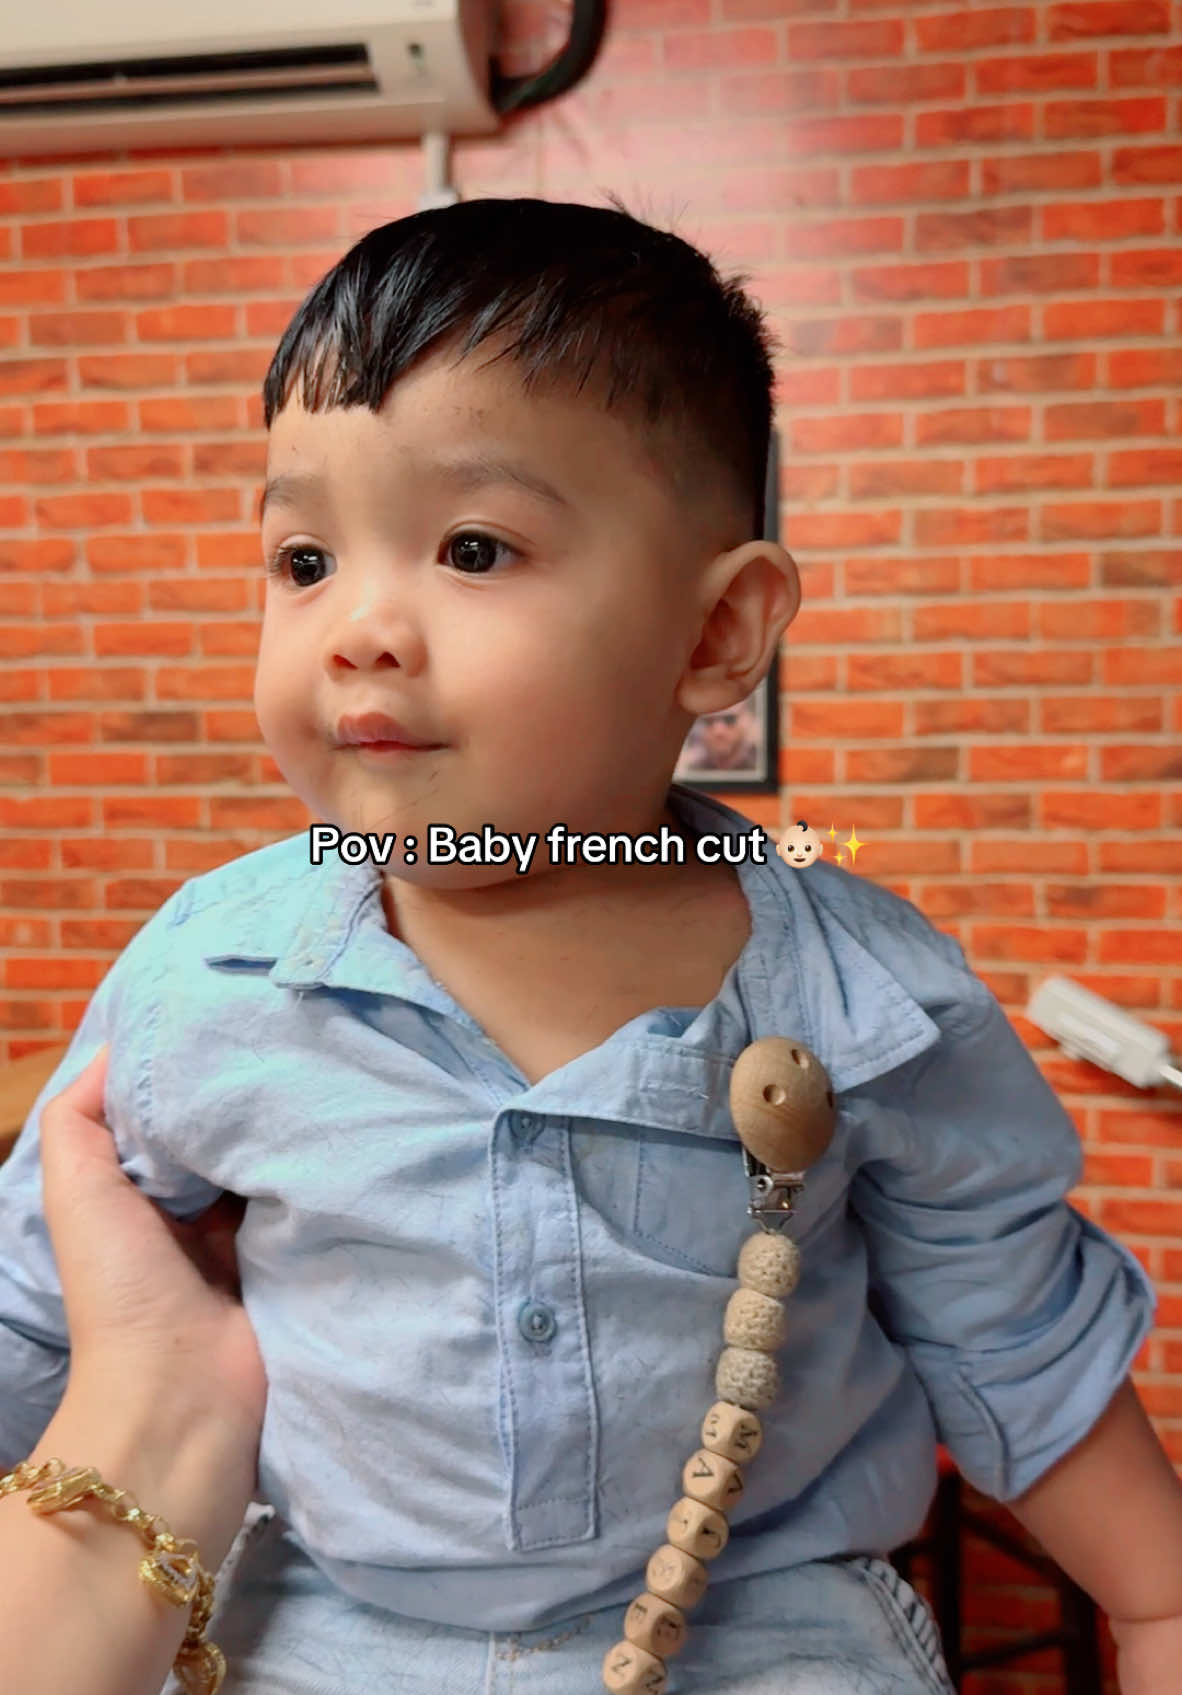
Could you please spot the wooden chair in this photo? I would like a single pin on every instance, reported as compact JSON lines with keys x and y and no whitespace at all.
{"x":950,"y":1520}
{"x":21,"y":1081}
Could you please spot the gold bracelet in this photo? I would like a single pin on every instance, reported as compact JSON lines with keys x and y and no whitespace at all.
{"x":171,"y":1568}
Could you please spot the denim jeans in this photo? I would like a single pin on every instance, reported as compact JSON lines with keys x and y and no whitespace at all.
{"x":846,"y":1626}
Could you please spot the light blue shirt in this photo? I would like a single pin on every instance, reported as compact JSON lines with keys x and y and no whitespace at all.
{"x":490,"y":1311}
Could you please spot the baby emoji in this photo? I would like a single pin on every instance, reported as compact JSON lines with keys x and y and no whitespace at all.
{"x":800,"y":846}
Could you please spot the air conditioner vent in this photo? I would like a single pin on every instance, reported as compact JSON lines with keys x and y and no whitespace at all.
{"x":78,"y":78}
{"x":137,"y":84}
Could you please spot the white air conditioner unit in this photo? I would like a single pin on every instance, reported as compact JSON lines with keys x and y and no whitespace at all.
{"x":83,"y":76}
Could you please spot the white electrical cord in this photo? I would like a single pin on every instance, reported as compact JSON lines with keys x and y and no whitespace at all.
{"x":1088,"y":1027}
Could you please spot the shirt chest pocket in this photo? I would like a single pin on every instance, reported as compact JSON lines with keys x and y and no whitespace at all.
{"x":681,"y":1199}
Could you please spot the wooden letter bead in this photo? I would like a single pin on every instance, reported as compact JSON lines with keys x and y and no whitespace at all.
{"x":732,"y":1431}
{"x":753,"y":1320}
{"x":747,"y":1376}
{"x":769,"y":1263}
{"x":655,"y":1625}
{"x":629,"y":1670}
{"x":676,"y":1576}
{"x":712,"y":1478}
{"x":697,"y":1528}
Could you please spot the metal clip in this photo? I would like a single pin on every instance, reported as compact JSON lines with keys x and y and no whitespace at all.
{"x":773,"y":1193}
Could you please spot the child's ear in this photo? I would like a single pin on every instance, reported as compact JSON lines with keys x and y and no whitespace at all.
{"x":746,"y":599}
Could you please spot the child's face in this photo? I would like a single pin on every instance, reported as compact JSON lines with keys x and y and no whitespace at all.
{"x":545,"y":662}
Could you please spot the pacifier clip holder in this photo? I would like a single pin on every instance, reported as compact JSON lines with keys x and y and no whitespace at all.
{"x":783,"y":1109}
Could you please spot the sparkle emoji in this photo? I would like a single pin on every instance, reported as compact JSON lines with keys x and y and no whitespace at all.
{"x":800,"y":846}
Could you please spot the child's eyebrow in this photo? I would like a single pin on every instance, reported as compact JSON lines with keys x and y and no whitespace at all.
{"x":477,"y":471}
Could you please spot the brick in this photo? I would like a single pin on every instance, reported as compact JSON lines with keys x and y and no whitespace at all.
{"x":968,"y":900}
{"x":1002,"y":476}
{"x":972,"y":810}
{"x":1041,"y":273}
{"x":1098,"y":620}
{"x":1026,"y":857}
{"x":907,"y":84}
{"x":1146,"y":164}
{"x":1153,"y":764}
{"x":975,"y":126}
{"x":1145,"y":67}
{"x":896,"y":672}
{"x":1145,"y":466}
{"x":965,"y":425}
{"x":1054,"y":763}
{"x":970,"y":526}
{"x":860,"y":40}
{"x":1036,"y":942}
{"x":1072,"y":120}
{"x":964,"y":30}
{"x":903,"y":765}
{"x":890,"y":477}
{"x":970,"y":714}
{"x":1035,"y":374}
{"x":938,"y":281}
{"x":1066,"y":715}
{"x":1098,"y":519}
{"x":841,"y":720}
{"x":1030,"y":571}
{"x":1107,"y":17}
{"x":971,"y":328}
{"x":1106,"y":220}
{"x":992,"y":226}
{"x":1031,"y":668}
{"x":942,"y":179}
{"x":1091,"y":810}
{"x":1081,"y":420}
{"x":1036,"y":72}
{"x":1027,"y":173}
{"x":903,"y":576}
{"x":1146,"y":268}
{"x":911,"y":381}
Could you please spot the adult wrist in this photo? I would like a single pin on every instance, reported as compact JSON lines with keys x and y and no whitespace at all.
{"x":186,"y":1462}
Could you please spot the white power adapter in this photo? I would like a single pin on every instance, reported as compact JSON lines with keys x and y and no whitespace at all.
{"x":1088,"y":1027}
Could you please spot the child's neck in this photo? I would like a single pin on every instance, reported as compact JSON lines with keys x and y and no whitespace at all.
{"x":550,"y":964}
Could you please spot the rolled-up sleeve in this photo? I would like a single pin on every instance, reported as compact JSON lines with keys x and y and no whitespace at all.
{"x":1019,"y":1315}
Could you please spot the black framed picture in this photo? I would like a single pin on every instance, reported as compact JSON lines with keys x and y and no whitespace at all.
{"x":738,"y":749}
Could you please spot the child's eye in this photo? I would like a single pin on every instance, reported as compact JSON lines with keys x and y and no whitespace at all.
{"x":283,"y":562}
{"x":471,"y":565}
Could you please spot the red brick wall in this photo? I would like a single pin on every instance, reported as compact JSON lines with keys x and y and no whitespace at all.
{"x":966,"y":223}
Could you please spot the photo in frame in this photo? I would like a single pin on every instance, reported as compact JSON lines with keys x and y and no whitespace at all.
{"x":738,"y":749}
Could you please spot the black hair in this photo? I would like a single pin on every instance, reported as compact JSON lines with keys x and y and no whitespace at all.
{"x":591,"y":295}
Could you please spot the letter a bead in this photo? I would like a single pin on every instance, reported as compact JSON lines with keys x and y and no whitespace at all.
{"x":629,"y":1670}
{"x":712,"y":1478}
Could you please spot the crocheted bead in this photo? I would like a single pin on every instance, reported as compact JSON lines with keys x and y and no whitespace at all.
{"x":630,"y":1670}
{"x":732,"y":1431}
{"x":697,"y":1528}
{"x":655,"y":1625}
{"x":769,"y":1263}
{"x":753,"y":1320}
{"x":748,"y":1377}
{"x":676,"y":1576}
{"x":711,"y":1478}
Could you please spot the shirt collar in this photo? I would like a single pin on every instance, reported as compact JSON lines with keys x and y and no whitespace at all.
{"x":802,"y":973}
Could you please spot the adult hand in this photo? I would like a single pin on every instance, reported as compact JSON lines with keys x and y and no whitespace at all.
{"x":148,"y":1299}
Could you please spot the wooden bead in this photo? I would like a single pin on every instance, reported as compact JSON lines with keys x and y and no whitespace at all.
{"x":748,"y":1377}
{"x":655,"y":1625}
{"x":769,"y":1263}
{"x":676,"y":1576}
{"x":696,"y":1528}
{"x":629,"y":1670}
{"x":753,"y":1320}
{"x":732,"y":1431}
{"x":712,"y":1478}
{"x":782,"y":1103}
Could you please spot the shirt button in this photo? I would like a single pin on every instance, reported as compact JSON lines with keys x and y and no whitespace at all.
{"x":527,"y":1124}
{"x":536,"y":1321}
